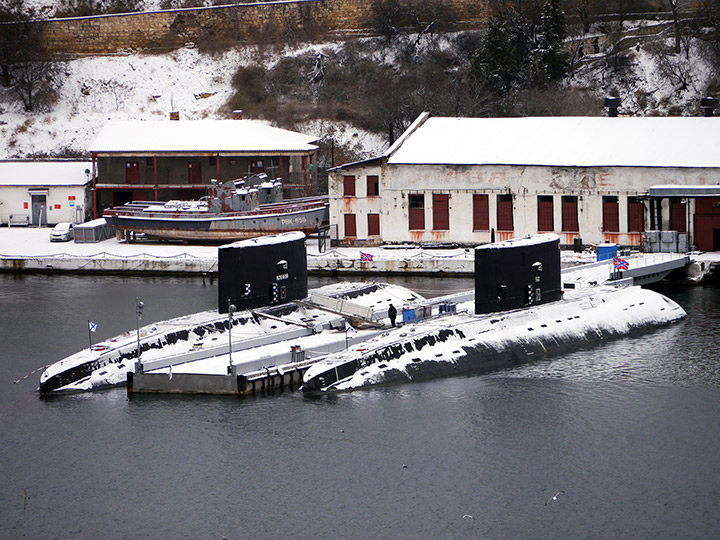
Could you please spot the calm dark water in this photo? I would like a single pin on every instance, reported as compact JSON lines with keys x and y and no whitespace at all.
{"x":627,"y":433}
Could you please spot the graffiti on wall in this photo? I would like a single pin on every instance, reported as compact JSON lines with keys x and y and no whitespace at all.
{"x":573,"y":179}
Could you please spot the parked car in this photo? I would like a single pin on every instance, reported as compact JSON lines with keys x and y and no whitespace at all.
{"x":62,"y":232}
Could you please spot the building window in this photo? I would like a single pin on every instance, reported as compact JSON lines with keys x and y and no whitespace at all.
{"x":678,"y":215}
{"x":257,"y":166}
{"x":373,"y":186}
{"x":481,"y":213}
{"x":149,"y":162}
{"x":350,"y":228}
{"x":373,"y":224}
{"x":611,"y":219}
{"x":635,"y":215}
{"x":348,"y":186}
{"x":504,"y":213}
{"x":441,"y":212}
{"x":212,"y":160}
{"x":569,"y":213}
{"x":416,"y":210}
{"x":545,"y":213}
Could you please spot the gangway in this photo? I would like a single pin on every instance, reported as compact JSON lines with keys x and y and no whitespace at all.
{"x":643,"y":269}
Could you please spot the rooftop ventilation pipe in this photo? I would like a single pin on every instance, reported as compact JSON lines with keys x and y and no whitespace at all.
{"x":708,"y":105}
{"x":612,"y":104}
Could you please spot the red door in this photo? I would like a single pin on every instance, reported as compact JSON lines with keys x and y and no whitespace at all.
{"x":416,"y":211}
{"x":194,"y":172}
{"x":132,"y":172}
{"x":678,"y":215}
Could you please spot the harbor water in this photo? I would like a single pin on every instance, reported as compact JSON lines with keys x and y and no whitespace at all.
{"x":619,"y":441}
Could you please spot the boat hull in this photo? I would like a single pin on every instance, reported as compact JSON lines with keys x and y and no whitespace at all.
{"x":223,"y":227}
{"x":479,"y":344}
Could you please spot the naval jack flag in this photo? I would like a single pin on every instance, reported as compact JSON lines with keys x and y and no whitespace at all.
{"x":92,"y":327}
{"x":348,"y":330}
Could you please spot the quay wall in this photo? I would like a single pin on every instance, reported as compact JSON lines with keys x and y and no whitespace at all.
{"x":316,"y":265}
{"x":128,"y":265}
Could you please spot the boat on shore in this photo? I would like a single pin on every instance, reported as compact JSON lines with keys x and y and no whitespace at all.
{"x":262,"y":339}
{"x":233,"y":210}
{"x":475,"y":344}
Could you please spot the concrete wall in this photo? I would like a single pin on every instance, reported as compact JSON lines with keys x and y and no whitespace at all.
{"x":525,"y":183}
{"x":261,"y":22}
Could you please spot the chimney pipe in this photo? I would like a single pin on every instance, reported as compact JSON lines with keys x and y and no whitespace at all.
{"x":174,"y":115}
{"x":612,"y":104}
{"x":708,"y":105}
{"x":237,"y":114}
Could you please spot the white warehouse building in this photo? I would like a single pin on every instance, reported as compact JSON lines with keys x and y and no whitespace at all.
{"x":43,"y":192}
{"x":474,"y":180}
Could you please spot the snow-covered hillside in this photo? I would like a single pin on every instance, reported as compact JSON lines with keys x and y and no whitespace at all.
{"x":652,"y":82}
{"x":142,"y":87}
{"x":139,"y":86}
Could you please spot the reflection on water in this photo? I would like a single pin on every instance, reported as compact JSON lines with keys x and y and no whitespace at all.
{"x":626,"y":430}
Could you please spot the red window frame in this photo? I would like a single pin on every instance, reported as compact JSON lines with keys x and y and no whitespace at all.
{"x":611,"y":214}
{"x":636,"y":212}
{"x":546,"y":220}
{"x":350,"y":226}
{"x":348,"y":186}
{"x":441,"y":211}
{"x":481,"y":212}
{"x":505,"y":213}
{"x":569,"y":211}
{"x":373,"y":185}
{"x":373,"y":224}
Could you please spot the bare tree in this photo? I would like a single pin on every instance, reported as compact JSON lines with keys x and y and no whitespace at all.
{"x":118,"y":90}
{"x":18,"y":35}
{"x":35,"y":83}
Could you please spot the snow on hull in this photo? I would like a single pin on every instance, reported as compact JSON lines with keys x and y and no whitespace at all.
{"x":203,"y":336}
{"x":107,"y":364}
{"x":477,"y":344}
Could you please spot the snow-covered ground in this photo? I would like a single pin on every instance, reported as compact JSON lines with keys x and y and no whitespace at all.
{"x":143,"y":87}
{"x":653,"y":84}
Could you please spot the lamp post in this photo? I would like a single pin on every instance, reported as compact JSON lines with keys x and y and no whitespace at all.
{"x":138,"y":315}
{"x":231,"y":310}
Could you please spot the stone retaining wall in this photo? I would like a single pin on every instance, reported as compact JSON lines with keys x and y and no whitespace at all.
{"x":218,"y":26}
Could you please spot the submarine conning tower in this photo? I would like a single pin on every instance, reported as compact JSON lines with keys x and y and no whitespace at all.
{"x":262,"y":271}
{"x":517,"y":273}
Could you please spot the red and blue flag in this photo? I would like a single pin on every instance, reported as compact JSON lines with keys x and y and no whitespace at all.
{"x":620,"y":264}
{"x":365,"y":257}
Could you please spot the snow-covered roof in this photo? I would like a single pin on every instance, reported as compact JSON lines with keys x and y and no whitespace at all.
{"x":534,"y":240}
{"x":235,"y":136}
{"x":273,"y":239}
{"x":44,"y":173}
{"x":684,"y":191}
{"x":562,"y":141}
